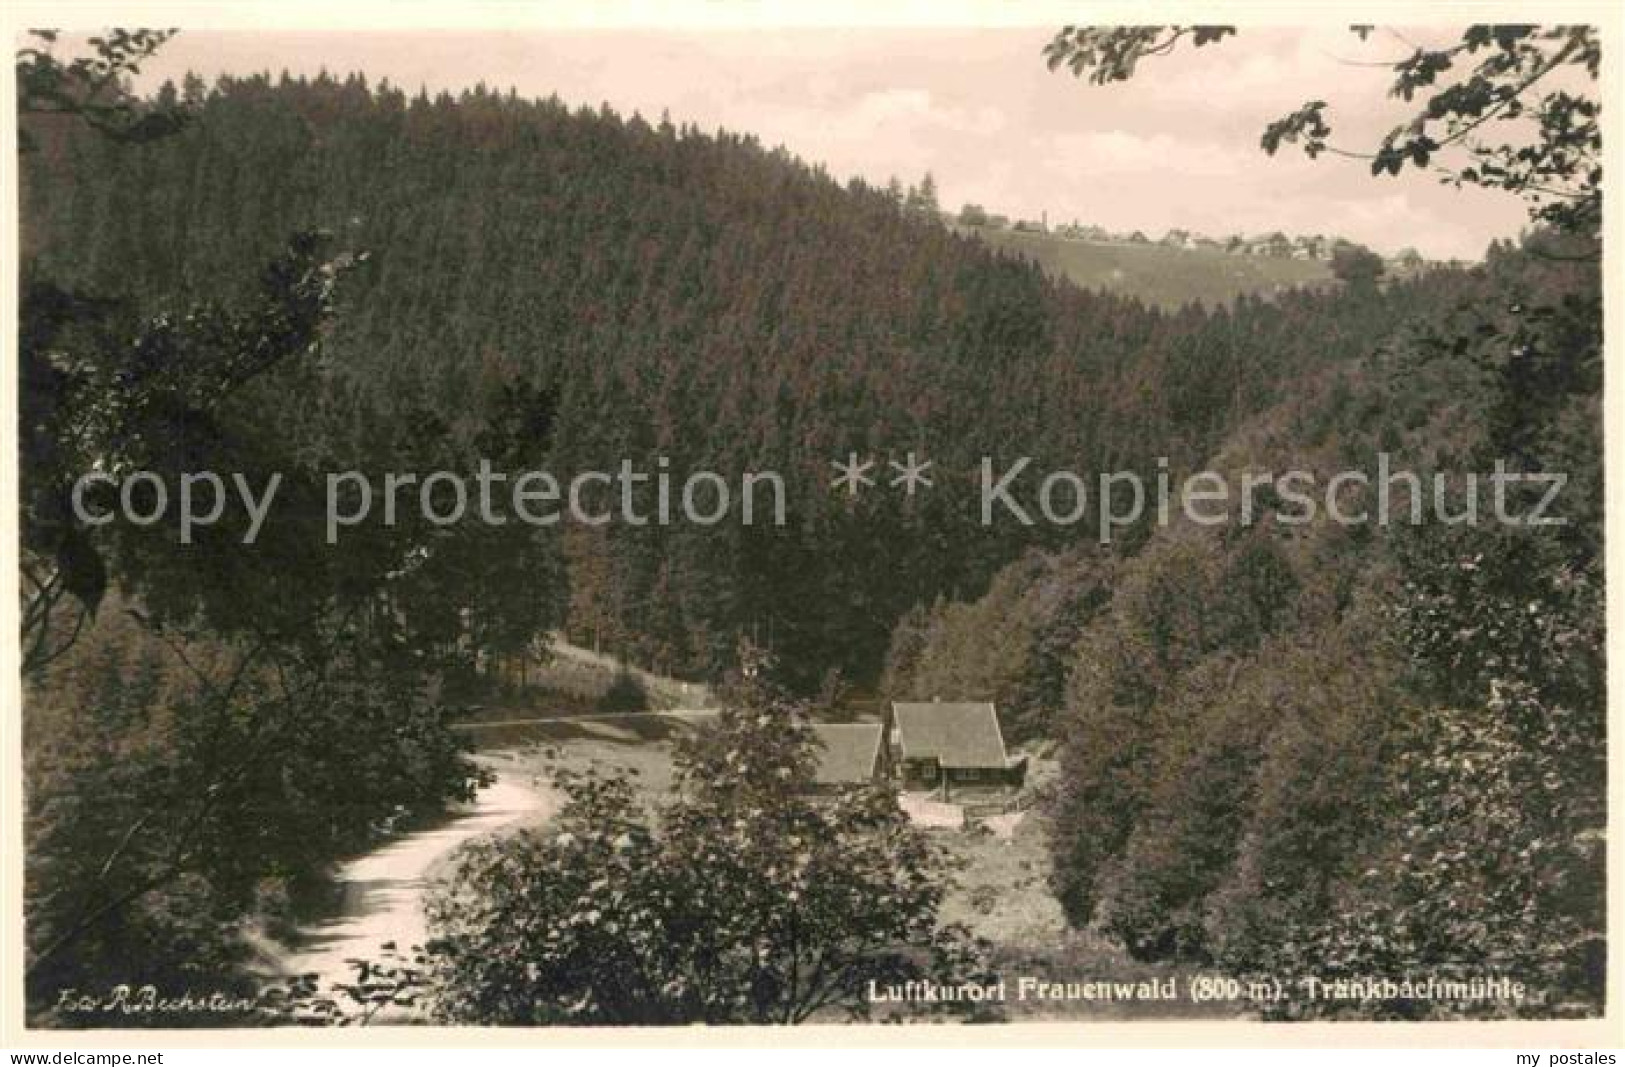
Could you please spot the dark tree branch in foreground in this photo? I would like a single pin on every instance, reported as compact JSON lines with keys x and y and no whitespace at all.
{"x":1552,"y":158}
{"x":92,"y":88}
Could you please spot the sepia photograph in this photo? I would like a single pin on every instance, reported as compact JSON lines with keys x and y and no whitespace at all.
{"x":548,"y":516}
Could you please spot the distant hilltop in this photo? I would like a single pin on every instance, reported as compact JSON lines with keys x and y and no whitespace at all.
{"x":1179,"y":268}
{"x":1277,"y":245}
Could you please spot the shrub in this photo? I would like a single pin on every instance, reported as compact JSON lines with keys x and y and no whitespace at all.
{"x":741,"y":900}
{"x":625,"y":695}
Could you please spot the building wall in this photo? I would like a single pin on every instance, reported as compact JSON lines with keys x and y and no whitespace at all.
{"x":927,"y":774}
{"x":919,"y":772}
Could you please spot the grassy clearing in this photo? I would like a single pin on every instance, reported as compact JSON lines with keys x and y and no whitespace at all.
{"x":1166,"y":277}
{"x":626,"y":730}
{"x":638,"y":744}
{"x":575,"y":681}
{"x":1002,"y":895}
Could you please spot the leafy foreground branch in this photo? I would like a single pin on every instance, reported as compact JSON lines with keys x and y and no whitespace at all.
{"x":1508,"y":107}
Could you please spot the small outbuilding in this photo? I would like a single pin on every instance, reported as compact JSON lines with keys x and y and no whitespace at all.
{"x":850,"y":753}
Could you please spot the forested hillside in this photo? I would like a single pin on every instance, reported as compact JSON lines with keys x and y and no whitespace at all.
{"x":1340,"y":751}
{"x":631,"y":290}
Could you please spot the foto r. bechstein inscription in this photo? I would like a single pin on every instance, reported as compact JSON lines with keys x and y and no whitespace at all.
{"x":580,"y":518}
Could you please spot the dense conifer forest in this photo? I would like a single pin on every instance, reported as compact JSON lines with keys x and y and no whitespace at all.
{"x":653,"y":290}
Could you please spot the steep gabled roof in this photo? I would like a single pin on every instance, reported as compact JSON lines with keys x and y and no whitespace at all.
{"x":961,"y":735}
{"x":849,"y":752}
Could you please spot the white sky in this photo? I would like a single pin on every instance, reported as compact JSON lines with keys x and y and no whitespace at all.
{"x":1175,"y":147}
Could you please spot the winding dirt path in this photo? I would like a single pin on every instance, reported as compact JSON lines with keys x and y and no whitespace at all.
{"x":382,"y":892}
